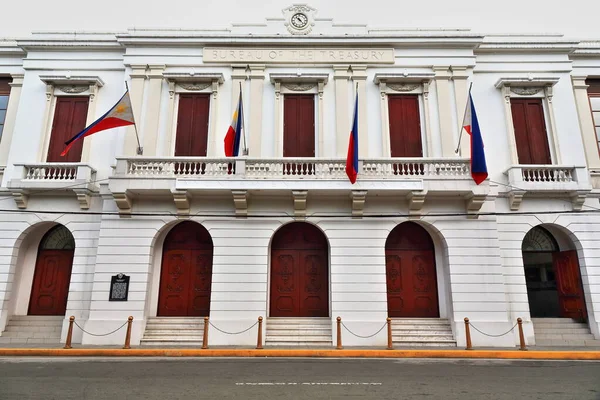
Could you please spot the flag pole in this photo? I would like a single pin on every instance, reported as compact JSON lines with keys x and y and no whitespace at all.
{"x":140,"y":149}
{"x":461,"y":127}
{"x":245,"y":150}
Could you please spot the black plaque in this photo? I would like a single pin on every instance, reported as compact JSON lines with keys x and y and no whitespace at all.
{"x":119,"y":288}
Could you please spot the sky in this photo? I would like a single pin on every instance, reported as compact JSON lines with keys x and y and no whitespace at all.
{"x":577,"y":19}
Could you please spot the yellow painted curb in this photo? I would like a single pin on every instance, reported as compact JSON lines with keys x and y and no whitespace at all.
{"x":328,"y":353}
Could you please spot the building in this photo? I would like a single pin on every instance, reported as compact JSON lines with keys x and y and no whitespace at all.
{"x":280,"y":232}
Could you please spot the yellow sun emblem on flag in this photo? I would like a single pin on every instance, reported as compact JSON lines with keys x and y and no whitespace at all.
{"x":121,"y":108}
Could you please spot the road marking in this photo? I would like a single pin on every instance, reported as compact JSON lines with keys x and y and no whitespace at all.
{"x":308,"y":383}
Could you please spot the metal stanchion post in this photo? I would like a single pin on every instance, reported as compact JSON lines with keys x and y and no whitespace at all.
{"x":521,"y":335}
{"x":390,"y":345}
{"x":128,"y":334}
{"x":70,"y":333}
{"x":259,"y":339}
{"x":205,"y":335}
{"x":468,"y":334}
{"x":339,"y":333}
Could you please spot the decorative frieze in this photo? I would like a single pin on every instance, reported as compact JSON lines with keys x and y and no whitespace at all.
{"x":298,"y":55}
{"x":299,"y":87}
{"x":525,"y":91}
{"x":194,"y":86}
{"x":403,"y":87}
{"x":72,"y":89}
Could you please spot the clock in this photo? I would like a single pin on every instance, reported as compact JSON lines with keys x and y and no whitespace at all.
{"x":299,"y":20}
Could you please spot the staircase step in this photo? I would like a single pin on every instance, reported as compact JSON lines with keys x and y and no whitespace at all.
{"x":558,"y":336}
{"x":425,"y":344}
{"x":33,"y":328}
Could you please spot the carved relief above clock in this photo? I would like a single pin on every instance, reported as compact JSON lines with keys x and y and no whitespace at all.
{"x":299,"y":19}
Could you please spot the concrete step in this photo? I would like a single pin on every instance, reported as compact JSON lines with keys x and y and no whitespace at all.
{"x":41,"y":335}
{"x":561,"y":330}
{"x":33,"y":328}
{"x":558,"y":336}
{"x":324,"y":344}
{"x":171,"y":342}
{"x":299,"y":331}
{"x":554,"y":320}
{"x":174,"y":331}
{"x":6,"y":340}
{"x":425,"y":344}
{"x":425,"y":337}
{"x":558,"y":342}
{"x":297,"y":338}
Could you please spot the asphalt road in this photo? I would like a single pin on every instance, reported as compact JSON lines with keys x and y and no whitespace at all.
{"x":265,"y":379}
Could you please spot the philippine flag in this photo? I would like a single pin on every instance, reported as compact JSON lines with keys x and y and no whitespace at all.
{"x":352,"y":159}
{"x":471,"y":125}
{"x":120,"y":114}
{"x":232,"y":138}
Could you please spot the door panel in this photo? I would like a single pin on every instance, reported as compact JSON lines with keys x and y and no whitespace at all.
{"x":285,"y":287}
{"x":201,"y":278}
{"x":174,"y":292}
{"x":314,"y":290}
{"x":192,"y":125}
{"x":411,"y":284}
{"x":299,"y":126}
{"x":51,"y":280}
{"x":405,"y":126}
{"x":568,"y":282}
{"x":70,"y":116}
{"x":531,"y":137}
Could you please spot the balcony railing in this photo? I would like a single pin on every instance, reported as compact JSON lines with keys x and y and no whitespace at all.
{"x":28,"y":179}
{"x":572,"y":181}
{"x":291,"y":168}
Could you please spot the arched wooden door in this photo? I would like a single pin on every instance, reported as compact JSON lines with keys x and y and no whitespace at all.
{"x":186,"y":272}
{"x":50,"y":288}
{"x":410,"y":273}
{"x":299,"y":272}
{"x":553,"y":277}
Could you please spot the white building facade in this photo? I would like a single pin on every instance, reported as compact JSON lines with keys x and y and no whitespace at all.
{"x":280,"y":232}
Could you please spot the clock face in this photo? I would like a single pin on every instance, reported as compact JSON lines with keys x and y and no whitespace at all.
{"x":299,"y":20}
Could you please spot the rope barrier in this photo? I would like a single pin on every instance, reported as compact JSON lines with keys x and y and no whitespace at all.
{"x":483,"y":333}
{"x":364,"y":337}
{"x":93,"y":334}
{"x":233,"y":333}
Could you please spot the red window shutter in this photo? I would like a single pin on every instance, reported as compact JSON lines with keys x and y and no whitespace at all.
{"x":70,"y":116}
{"x":5,"y":86}
{"x":531,"y":136}
{"x":192,"y":125}
{"x":299,"y":126}
{"x":405,"y":126}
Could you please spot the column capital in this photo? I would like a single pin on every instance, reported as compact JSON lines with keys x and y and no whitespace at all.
{"x":442,"y":72}
{"x":579,"y":82}
{"x":257,"y":71}
{"x":17,"y":80}
{"x":460,"y":72}
{"x":238,"y":71}
{"x":156,"y":71}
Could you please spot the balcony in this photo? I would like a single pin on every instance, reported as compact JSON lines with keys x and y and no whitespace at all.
{"x":548,"y":180}
{"x":413,"y":178}
{"x":31,"y":179}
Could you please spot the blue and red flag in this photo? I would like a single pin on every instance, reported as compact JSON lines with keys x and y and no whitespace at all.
{"x":471,"y":125}
{"x":120,"y":114}
{"x":234,"y":133}
{"x":352,"y":159}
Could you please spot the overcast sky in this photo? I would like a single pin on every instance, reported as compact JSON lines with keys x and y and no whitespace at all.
{"x":574,"y":18}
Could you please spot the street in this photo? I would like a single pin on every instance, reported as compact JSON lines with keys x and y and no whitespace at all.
{"x":179,"y":378}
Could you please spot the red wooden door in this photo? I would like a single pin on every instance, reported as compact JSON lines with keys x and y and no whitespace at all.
{"x":530,"y":131}
{"x":405,"y":126}
{"x":299,"y":272}
{"x":299,"y":125}
{"x":192,"y":125}
{"x":70,"y":117}
{"x":410,"y":273}
{"x":186,"y":272}
{"x":568,"y":283}
{"x":51,"y":280}
{"x":411,"y":284}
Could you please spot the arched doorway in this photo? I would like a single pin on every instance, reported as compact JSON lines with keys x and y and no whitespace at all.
{"x":186,"y":272}
{"x":410,"y":273}
{"x":50,"y":288}
{"x":553,"y":277}
{"x":299,"y":272}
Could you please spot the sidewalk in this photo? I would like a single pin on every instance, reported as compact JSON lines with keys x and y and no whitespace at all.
{"x":532,"y":353}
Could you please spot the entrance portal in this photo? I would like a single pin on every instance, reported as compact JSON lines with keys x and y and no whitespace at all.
{"x":186,"y":272}
{"x":553,"y":279}
{"x":299,"y":272}
{"x":52,"y":275}
{"x":410,"y":273}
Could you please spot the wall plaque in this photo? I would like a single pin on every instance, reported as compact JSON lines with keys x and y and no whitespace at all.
{"x":298,"y":55}
{"x":119,"y":287}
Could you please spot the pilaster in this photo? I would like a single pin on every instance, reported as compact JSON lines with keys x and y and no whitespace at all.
{"x":514,"y":158}
{"x":342,"y":117}
{"x":442,"y":83}
{"x":136,"y":94}
{"x":257,"y":78}
{"x":460,"y":75}
{"x":586,"y":122}
{"x":9,"y":121}
{"x":150,"y":124}
{"x":359,"y":75}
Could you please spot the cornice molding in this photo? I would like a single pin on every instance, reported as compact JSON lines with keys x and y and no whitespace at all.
{"x":299,"y":78}
{"x":529,"y":81}
{"x":194,"y":77}
{"x":69,"y":80}
{"x":403,"y":78}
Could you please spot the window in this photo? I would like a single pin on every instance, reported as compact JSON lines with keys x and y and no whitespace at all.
{"x":192,"y":125}
{"x":70,"y":117}
{"x":4,"y":93}
{"x":405,"y":126}
{"x":530,"y":131}
{"x":299,"y":125}
{"x":594,"y":95}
